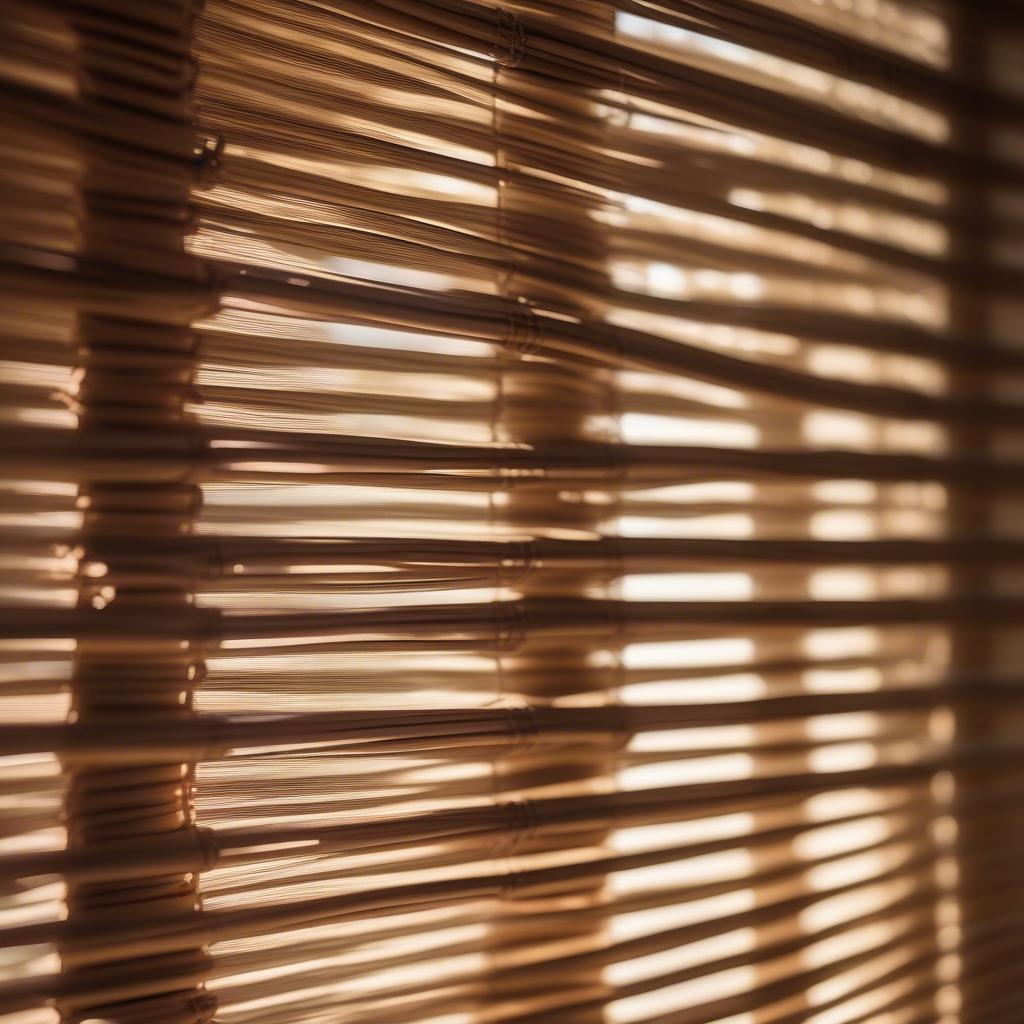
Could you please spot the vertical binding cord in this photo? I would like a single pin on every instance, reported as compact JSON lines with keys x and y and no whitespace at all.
{"x":542,"y":401}
{"x":975,"y":645}
{"x":136,"y":375}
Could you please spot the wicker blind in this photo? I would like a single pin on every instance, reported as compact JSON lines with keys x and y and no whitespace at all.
{"x":511,"y":513}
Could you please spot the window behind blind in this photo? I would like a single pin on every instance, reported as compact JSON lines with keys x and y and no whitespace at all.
{"x":510,"y":514}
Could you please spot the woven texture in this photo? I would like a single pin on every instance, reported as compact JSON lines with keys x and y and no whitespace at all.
{"x":511,"y":514}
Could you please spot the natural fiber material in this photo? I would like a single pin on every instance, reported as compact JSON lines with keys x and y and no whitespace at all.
{"x":511,"y":513}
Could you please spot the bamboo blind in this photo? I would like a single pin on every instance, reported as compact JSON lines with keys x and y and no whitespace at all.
{"x":511,"y":513}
